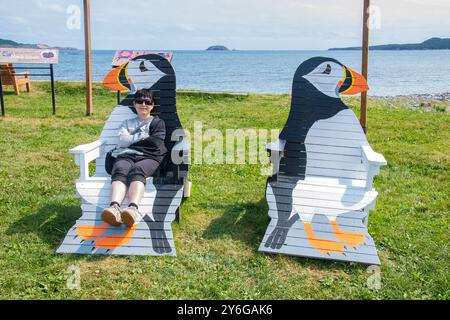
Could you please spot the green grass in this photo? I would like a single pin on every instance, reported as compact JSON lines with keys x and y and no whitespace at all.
{"x":225,"y":218}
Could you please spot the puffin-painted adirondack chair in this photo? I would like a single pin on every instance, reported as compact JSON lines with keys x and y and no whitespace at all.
{"x":163,"y":193}
{"x":321,"y":191}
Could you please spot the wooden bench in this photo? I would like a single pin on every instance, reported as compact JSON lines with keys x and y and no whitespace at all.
{"x":321,"y":190}
{"x":12,"y":78}
{"x":163,"y":194}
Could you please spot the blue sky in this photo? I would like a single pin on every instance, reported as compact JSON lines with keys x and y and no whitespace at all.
{"x":240,"y":24}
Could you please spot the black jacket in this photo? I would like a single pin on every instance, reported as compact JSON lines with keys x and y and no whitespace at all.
{"x":153,"y":147}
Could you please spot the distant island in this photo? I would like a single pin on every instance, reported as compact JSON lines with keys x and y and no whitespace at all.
{"x":217,"y":48}
{"x":430,"y":44}
{"x":12,"y":44}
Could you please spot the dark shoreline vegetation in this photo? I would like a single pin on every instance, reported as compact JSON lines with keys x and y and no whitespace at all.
{"x":13,"y":44}
{"x":225,"y":218}
{"x":217,"y":48}
{"x":430,"y":44}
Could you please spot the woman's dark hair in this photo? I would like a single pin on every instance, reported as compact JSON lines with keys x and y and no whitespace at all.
{"x":144,"y":94}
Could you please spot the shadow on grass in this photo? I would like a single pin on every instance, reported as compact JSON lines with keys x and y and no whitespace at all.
{"x":8,"y":92}
{"x":247,"y":222}
{"x":51,"y":224}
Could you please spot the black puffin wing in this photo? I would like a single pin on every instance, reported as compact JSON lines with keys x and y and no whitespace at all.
{"x":308,"y":106}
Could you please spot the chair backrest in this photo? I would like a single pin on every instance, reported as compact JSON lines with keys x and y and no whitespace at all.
{"x":165,"y":108}
{"x":323,"y":136}
{"x":7,"y":73}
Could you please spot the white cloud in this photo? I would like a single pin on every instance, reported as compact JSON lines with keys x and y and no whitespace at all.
{"x":51,"y":6}
{"x":186,"y":27}
{"x":438,"y":3}
{"x":240,"y":24}
{"x":18,"y":20}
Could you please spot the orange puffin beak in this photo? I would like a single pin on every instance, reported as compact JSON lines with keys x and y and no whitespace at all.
{"x":352,"y":83}
{"x":117,"y":78}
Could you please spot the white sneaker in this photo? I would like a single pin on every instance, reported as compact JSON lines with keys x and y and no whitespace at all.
{"x":130,"y":216}
{"x":112,"y":216}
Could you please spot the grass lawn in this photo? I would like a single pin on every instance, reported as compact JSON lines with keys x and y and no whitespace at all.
{"x":225,"y":218}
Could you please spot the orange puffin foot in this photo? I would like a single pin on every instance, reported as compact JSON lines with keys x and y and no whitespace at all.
{"x":113,"y":241}
{"x":351,"y":238}
{"x":88,"y":232}
{"x":324,"y":246}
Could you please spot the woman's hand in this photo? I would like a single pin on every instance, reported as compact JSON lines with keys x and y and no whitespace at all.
{"x":123,"y":131}
{"x":125,"y":138}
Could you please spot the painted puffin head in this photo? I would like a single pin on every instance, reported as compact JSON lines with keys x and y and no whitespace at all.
{"x":330,"y":77}
{"x":139,"y":73}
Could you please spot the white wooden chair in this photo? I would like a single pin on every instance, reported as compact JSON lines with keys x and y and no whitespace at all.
{"x":163,"y":194}
{"x":321,"y":191}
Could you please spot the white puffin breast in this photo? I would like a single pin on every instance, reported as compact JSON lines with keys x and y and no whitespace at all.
{"x":333,"y":148}
{"x":335,"y":143}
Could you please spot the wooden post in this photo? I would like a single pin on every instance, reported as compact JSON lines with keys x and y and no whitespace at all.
{"x":87,"y":51}
{"x":365,"y":63}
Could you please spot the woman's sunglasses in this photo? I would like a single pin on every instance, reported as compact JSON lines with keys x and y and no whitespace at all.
{"x":147,"y":102}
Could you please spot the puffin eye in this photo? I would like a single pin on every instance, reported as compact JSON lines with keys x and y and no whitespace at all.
{"x":142,"y":67}
{"x":327,"y":70}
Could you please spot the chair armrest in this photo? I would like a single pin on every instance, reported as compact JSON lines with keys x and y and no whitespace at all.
{"x":84,"y":154}
{"x":275,"y":150}
{"x":86,"y":148}
{"x":278,"y":145}
{"x":372,"y":160}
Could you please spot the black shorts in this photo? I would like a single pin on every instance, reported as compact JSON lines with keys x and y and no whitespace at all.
{"x":129,"y":168}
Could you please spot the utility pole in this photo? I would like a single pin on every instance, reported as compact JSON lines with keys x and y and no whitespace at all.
{"x":87,"y":52}
{"x":365,"y":63}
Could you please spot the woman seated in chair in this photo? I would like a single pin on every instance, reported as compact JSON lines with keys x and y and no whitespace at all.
{"x":139,"y":153}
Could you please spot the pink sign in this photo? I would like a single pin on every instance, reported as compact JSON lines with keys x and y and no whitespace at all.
{"x":123,"y":56}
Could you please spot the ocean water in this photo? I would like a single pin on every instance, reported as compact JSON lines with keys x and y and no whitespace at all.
{"x":390,"y":72}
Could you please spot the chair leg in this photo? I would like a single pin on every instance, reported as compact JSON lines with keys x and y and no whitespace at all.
{"x":16,"y":88}
{"x":27,"y":83}
{"x":187,"y":188}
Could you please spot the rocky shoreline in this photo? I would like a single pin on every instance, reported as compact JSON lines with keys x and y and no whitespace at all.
{"x":429,"y":102}
{"x":445,"y":96}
